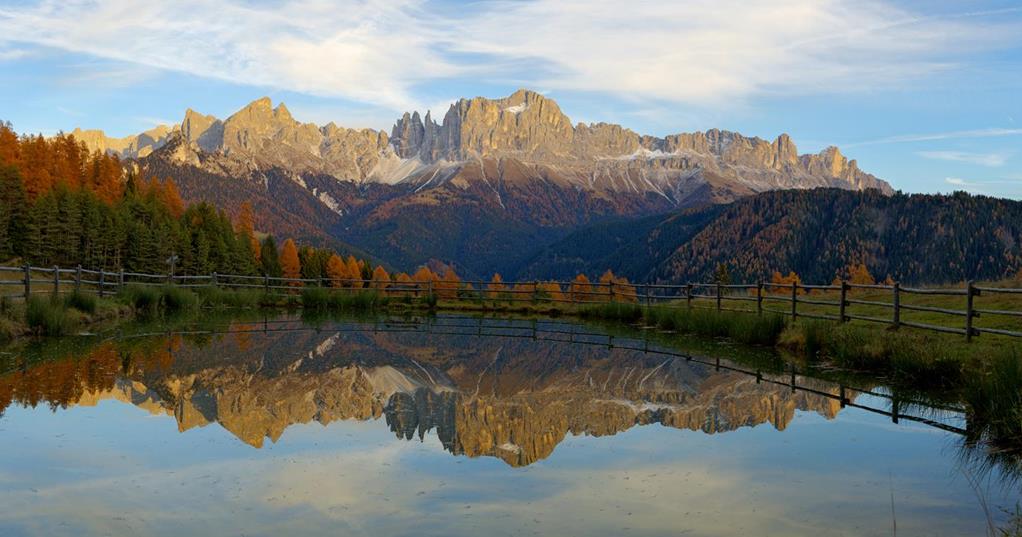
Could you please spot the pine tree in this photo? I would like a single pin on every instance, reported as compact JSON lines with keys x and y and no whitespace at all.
{"x":269,"y":259}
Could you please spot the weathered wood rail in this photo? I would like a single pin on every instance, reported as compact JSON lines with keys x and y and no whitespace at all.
{"x":29,"y":280}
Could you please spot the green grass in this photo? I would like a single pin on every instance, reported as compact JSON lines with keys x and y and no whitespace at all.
{"x":740,"y":327}
{"x":152,"y":301}
{"x":83,"y":302}
{"x":905,"y":357}
{"x":216,"y":298}
{"x":50,"y":317}
{"x":323,"y":299}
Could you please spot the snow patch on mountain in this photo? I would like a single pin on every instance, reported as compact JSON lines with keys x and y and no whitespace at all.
{"x":517,"y":109}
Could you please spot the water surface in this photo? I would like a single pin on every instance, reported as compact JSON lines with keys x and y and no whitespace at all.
{"x":460,"y":426}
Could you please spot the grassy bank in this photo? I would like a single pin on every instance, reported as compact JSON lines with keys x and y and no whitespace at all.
{"x":908,"y":355}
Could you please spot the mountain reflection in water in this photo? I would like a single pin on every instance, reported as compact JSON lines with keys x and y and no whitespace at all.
{"x":485,"y":390}
{"x":547,"y":419}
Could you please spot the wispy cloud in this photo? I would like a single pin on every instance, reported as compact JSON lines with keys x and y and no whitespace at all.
{"x":992,"y":160}
{"x":381,"y":52}
{"x":994,"y":132}
{"x":11,"y":54}
{"x":1006,"y":187}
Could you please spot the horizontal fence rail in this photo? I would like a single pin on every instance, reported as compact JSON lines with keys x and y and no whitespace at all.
{"x":758,"y":298}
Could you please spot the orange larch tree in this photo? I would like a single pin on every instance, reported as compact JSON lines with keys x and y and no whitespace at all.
{"x":336,"y":271}
{"x":246,"y":228}
{"x":496,"y":287}
{"x":551,"y":291}
{"x":289,"y":262}
{"x":580,"y":288}
{"x":381,"y":279}
{"x":172,"y":198}
{"x":354,"y":272}
{"x":449,"y":285}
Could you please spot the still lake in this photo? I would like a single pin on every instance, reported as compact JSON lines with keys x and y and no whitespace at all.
{"x":466,"y":426}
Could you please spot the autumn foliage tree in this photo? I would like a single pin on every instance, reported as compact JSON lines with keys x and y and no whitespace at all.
{"x":336,"y":271}
{"x":784,"y":283}
{"x":290,"y":266}
{"x":245,"y":227}
{"x":551,"y":291}
{"x":496,"y":289}
{"x":580,"y":288}
{"x":449,"y":285}
{"x":381,"y":279}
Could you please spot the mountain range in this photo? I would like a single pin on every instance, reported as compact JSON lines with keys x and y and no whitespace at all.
{"x":484,"y":190}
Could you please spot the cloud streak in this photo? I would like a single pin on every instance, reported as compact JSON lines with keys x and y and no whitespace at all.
{"x":995,"y":132}
{"x":991,"y":160}
{"x":693,"y":52}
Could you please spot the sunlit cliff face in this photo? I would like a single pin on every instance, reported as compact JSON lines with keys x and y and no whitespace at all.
{"x":511,"y":398}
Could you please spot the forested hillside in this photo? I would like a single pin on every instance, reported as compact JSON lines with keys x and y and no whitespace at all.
{"x":61,"y":204}
{"x":816,"y":233}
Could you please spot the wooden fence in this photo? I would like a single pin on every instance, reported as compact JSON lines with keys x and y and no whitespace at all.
{"x":758,"y":297}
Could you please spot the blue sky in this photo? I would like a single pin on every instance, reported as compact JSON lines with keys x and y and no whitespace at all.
{"x":925,"y":94}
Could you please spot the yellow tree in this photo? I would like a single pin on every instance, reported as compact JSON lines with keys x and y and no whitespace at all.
{"x":405,"y":283}
{"x":448,"y":286}
{"x":524,"y":291}
{"x":496,"y":287}
{"x":859,"y":274}
{"x":624,"y":291}
{"x":354,"y":272}
{"x":172,"y":197}
{"x":552,"y":291}
{"x":580,"y":288}
{"x":785,"y":283}
{"x":246,"y":228}
{"x":424,"y":277}
{"x":289,"y":262}
{"x":336,"y":271}
{"x":380,"y":279}
{"x":606,"y":286}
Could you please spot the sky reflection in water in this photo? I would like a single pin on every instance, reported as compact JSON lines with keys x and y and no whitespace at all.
{"x":508,"y":408}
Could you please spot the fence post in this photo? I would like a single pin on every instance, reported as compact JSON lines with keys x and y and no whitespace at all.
{"x":102,"y":282}
{"x":266,"y":283}
{"x":56,"y":281}
{"x":429,"y":288}
{"x":897,"y":305}
{"x":759,"y":298}
{"x":718,"y":296}
{"x":970,"y":292}
{"x":794,"y":300}
{"x":649,"y":296}
{"x":78,"y":278}
{"x":535,"y":296}
{"x":213,"y":279}
{"x":28,"y":281}
{"x":688,"y":295}
{"x":844,"y":300}
{"x":120,"y":280}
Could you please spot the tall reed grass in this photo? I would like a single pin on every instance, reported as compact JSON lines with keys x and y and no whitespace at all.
{"x":740,"y":327}
{"x":323,"y":299}
{"x":150,"y":301}
{"x":49,"y":316}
